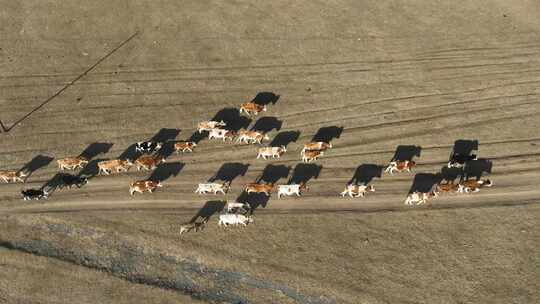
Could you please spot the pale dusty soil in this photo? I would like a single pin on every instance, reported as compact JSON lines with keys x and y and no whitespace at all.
{"x":421,"y":73}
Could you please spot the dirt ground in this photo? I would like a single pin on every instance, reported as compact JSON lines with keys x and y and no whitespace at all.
{"x":371,"y":76}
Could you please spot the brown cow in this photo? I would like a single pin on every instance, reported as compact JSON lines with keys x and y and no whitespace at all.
{"x":253,"y":136}
{"x":400,"y":166}
{"x":310,"y":156}
{"x":148,"y":162}
{"x":72,"y":163}
{"x":316,"y":146}
{"x":13,"y":176}
{"x":146,"y":185}
{"x":259,"y":188}
{"x":251,"y":107}
{"x":473,"y":185}
{"x":107,"y":166}
{"x":185,"y":146}
{"x":447,"y":188}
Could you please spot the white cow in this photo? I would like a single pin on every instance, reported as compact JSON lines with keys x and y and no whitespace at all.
{"x":357,"y":190}
{"x":289,"y":190}
{"x":234,"y":219}
{"x":221,"y":134}
{"x":212,"y":187}
{"x":234,"y":205}
{"x":209,"y":125}
{"x":419,"y":197}
{"x":271,"y":152}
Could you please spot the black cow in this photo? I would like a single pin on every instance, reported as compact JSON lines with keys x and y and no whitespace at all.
{"x":147,"y":146}
{"x":69,"y":181}
{"x":458,"y":160}
{"x":36,"y":194}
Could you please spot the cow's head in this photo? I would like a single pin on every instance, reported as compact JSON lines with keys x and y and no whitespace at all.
{"x":370,"y":188}
{"x":266,"y":137}
{"x":159,"y":145}
{"x":22,"y":174}
{"x":283,"y":149}
{"x":329,"y":145}
{"x":411,"y":164}
{"x":250,"y":219}
{"x":128,"y":162}
{"x":488,"y":183}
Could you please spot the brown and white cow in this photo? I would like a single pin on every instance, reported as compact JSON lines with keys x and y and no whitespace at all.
{"x":420,"y":197}
{"x":209,"y":125}
{"x":473,"y":185}
{"x":259,"y":188}
{"x":72,"y":163}
{"x":185,"y":146}
{"x":142,"y":186}
{"x":118,"y":165}
{"x":13,"y":176}
{"x":310,"y":156}
{"x":252,"y":137}
{"x":252,"y":108}
{"x":357,"y":190}
{"x":271,"y":152}
{"x":148,"y":162}
{"x":400,"y":166}
{"x":221,"y":134}
{"x":316,"y":146}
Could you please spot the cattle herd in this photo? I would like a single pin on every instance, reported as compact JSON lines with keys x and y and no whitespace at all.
{"x":239,"y":213}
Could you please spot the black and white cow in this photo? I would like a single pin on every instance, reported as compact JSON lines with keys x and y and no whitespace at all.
{"x":36,"y":194}
{"x":147,"y":146}
{"x":458,"y":160}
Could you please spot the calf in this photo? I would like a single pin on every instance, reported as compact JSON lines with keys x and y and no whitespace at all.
{"x":259,"y":188}
{"x":253,"y":136}
{"x":271,"y":152}
{"x":13,"y":176}
{"x":473,"y":185}
{"x":147,"y":146}
{"x":212,"y":187}
{"x":221,"y":134}
{"x":400,"y":166}
{"x":316,"y":146}
{"x":68,"y":180}
{"x":142,"y":186}
{"x":72,"y":163}
{"x":252,"y":108}
{"x":447,"y":187}
{"x":107,"y":166}
{"x":459,"y":160}
{"x":209,"y":125}
{"x":232,"y":207}
{"x":186,"y":146}
{"x":148,"y":162}
{"x":193,"y":226}
{"x":289,"y":190}
{"x":37,"y":194}
{"x":357,"y":190}
{"x":309,"y":156}
{"x":234,"y":219}
{"x":419,"y":197}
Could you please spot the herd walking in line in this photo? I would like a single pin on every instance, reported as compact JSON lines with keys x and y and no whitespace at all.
{"x":240,"y":213}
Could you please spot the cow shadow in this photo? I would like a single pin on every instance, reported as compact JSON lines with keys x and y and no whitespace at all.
{"x":477,"y":168}
{"x":196,"y":137}
{"x":424,"y":182}
{"x":451,"y":174}
{"x":166,"y":149}
{"x":254,"y":200}
{"x":91,"y":169}
{"x":233,"y":119}
{"x":208,"y":210}
{"x":130,"y":153}
{"x":267,"y":124}
{"x":365,"y":173}
{"x":327,"y":134}
{"x":52,"y":185}
{"x":35,"y":164}
{"x":95,"y":149}
{"x":265,"y":98}
{"x":229,"y":171}
{"x":165,"y":135}
{"x":464,"y":147}
{"x":284,"y":138}
{"x":303,"y":173}
{"x":272,"y":173}
{"x":406,"y":152}
{"x":165,"y":171}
